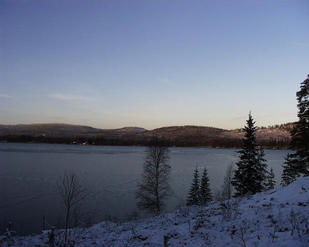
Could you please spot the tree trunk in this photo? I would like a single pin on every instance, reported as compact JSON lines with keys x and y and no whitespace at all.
{"x":157,"y":189}
{"x":67,"y":217}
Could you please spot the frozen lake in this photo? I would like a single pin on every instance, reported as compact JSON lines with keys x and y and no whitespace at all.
{"x":29,"y":174}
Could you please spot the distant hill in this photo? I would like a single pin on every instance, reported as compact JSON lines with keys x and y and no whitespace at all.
{"x":60,"y":130}
{"x":46,"y":129}
{"x":271,"y":137}
{"x":277,"y":136}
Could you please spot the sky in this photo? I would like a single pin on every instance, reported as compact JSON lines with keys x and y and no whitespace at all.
{"x":152,"y":63}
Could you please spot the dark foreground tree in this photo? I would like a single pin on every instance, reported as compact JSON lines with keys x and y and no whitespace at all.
{"x":297,"y":163}
{"x":289,"y":173}
{"x":250,"y":174}
{"x":72,"y":193}
{"x":227,"y":188}
{"x":270,"y":180}
{"x":194,"y":193}
{"x":154,"y":187}
{"x":205,"y":193}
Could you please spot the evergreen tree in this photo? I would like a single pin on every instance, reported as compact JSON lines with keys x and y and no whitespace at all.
{"x":194,"y":193}
{"x":266,"y":174}
{"x":205,"y":193}
{"x":297,"y":163}
{"x":289,"y":174}
{"x":261,"y":155}
{"x":270,"y":180}
{"x":250,"y":174}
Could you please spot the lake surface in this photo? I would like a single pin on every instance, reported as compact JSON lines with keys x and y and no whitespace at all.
{"x":29,"y":174}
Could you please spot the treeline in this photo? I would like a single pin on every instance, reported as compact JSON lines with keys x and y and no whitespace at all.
{"x":220,"y":142}
{"x":75,"y":140}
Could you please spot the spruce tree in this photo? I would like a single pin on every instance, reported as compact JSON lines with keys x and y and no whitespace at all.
{"x":205,"y":193}
{"x":194,"y":193}
{"x":289,"y":173}
{"x":264,"y":172}
{"x":270,"y":180}
{"x":250,"y":174}
{"x":297,"y":163}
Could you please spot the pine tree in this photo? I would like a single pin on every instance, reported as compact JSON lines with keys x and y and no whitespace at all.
{"x":270,"y":180}
{"x":194,"y":193}
{"x":297,"y":163}
{"x":205,"y":193}
{"x":289,"y":174}
{"x":265,"y":173}
{"x":250,"y":175}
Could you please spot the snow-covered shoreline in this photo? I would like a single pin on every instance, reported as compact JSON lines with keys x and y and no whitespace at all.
{"x":273,"y":218}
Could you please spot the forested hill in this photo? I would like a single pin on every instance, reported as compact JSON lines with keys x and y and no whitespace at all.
{"x":197,"y":136}
{"x":63,"y":130}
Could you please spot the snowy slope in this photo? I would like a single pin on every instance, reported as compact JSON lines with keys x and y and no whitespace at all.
{"x":273,"y":218}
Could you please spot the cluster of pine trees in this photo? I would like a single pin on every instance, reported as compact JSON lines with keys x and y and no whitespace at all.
{"x":200,"y":193}
{"x":251,"y":175}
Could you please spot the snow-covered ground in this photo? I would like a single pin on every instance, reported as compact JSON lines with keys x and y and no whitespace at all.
{"x":274,"y":218}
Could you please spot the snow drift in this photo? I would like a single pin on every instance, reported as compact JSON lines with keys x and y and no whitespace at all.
{"x":273,"y":218}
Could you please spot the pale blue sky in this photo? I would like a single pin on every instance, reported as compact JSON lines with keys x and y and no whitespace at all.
{"x":152,"y":63}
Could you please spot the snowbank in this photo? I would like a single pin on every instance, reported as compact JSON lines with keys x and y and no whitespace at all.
{"x":273,"y":218}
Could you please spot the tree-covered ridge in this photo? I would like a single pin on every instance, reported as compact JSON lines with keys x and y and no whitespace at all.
{"x":195,"y":136}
